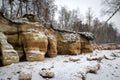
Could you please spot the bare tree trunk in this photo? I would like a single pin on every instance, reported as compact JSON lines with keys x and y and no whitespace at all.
{"x":21,"y":8}
{"x":11,"y":10}
{"x":18,"y":11}
{"x":26,"y":7}
{"x":34,"y":6}
{"x":89,"y":18}
{"x":46,"y":15}
{"x":3,"y":5}
{"x":38,"y":8}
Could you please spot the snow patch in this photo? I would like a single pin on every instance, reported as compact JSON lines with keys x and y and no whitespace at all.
{"x":9,"y":51}
{"x":20,"y":20}
{"x":2,"y":36}
{"x":70,"y":37}
{"x":32,"y":30}
{"x":36,"y":52}
{"x":78,"y":70}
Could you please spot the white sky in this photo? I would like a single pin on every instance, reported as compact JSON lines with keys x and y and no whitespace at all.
{"x":83,"y":6}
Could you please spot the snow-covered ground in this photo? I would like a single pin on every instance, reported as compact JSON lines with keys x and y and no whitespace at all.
{"x":66,"y":67}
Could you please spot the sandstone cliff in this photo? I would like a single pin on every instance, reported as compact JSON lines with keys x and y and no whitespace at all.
{"x":32,"y":42}
{"x":9,"y":55}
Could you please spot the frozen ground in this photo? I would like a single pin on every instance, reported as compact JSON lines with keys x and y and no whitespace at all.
{"x":66,"y":67}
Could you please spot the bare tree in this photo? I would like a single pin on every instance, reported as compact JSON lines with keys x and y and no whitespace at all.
{"x":104,"y":32}
{"x":111,"y":7}
{"x":64,"y":17}
{"x":69,"y":19}
{"x":89,"y":17}
{"x":45,"y":9}
{"x":2,"y":9}
{"x":26,"y":5}
{"x":19,"y":10}
{"x":3,"y":4}
{"x":11,"y":3}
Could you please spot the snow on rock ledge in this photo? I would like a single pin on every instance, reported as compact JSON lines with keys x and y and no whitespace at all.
{"x":87,"y":35}
{"x":70,"y":37}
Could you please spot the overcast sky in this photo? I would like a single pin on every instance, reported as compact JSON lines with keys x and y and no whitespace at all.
{"x":83,"y":5}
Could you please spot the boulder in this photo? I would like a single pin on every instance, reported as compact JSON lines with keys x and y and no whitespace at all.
{"x":93,"y":69}
{"x":109,"y":57}
{"x":45,"y":73}
{"x":97,"y":58}
{"x":68,"y":43}
{"x":74,"y":59}
{"x":9,"y":55}
{"x":25,"y":76}
{"x":35,"y":44}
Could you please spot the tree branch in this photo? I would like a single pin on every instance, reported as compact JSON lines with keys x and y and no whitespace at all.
{"x":113,"y":14}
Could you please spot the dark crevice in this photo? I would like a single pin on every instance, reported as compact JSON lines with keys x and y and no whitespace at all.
{"x":23,"y":58}
{"x":1,"y":63}
{"x":48,"y":47}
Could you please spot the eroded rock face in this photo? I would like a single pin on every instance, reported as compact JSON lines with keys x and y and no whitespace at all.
{"x":68,"y":43}
{"x":9,"y":55}
{"x":5,"y":25}
{"x":14,"y":40}
{"x":35,"y":44}
{"x":33,"y":41}
{"x":52,"y":44}
{"x":86,"y":46}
